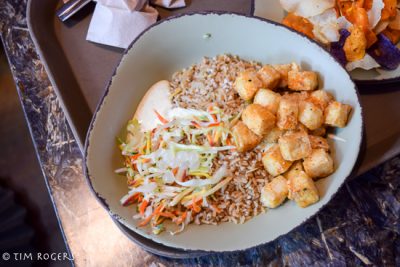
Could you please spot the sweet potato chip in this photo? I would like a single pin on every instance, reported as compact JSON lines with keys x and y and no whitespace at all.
{"x":336,"y":48}
{"x":385,"y":53}
{"x":368,"y":4}
{"x":395,"y":23}
{"x":355,"y":45}
{"x":344,"y":7}
{"x":393,"y":35}
{"x":359,"y":16}
{"x":371,"y":37}
{"x":389,"y":10}
{"x":299,"y":24}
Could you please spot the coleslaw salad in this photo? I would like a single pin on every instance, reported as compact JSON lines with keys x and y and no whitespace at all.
{"x":170,"y":170}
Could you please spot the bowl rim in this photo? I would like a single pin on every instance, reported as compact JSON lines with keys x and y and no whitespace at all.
{"x":118,"y":220}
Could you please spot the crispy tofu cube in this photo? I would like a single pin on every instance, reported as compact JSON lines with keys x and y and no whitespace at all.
{"x":269,"y":76}
{"x":318,"y":142}
{"x":319,"y":164}
{"x":268,"y":99}
{"x":321,"y":98}
{"x":273,"y":135}
{"x":275,"y":192}
{"x":244,"y":137}
{"x":273,"y":161}
{"x":302,"y":80}
{"x":310,"y":115}
{"x":247,"y":84}
{"x":287,"y":114}
{"x":283,"y":70}
{"x":301,"y":187}
{"x":336,"y":114}
{"x":295,"y":146}
{"x":300,"y":128}
{"x":321,"y":131}
{"x":258,"y":119}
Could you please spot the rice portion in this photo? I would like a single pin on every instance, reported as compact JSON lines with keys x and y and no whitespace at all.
{"x":211,"y":82}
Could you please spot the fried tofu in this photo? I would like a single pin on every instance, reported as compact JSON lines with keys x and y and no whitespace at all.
{"x":273,"y":161}
{"x":321,"y":131}
{"x":247,"y":84}
{"x":319,"y":164}
{"x":269,"y":76}
{"x":287,"y":115}
{"x":295,"y":146}
{"x":321,"y":98}
{"x":336,"y":114}
{"x":273,"y":136}
{"x":283,"y":70}
{"x":302,"y":80}
{"x":318,"y":142}
{"x":310,"y":115}
{"x":301,"y":187}
{"x":275,"y":192}
{"x":268,"y":99}
{"x":258,"y":119}
{"x":244,"y":137}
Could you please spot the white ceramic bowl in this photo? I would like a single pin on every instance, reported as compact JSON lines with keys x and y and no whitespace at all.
{"x":177,"y":43}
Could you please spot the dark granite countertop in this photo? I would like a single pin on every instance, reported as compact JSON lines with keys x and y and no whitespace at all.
{"x":360,"y":226}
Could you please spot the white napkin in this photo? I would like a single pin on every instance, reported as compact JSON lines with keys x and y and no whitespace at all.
{"x":119,"y":22}
{"x":169,"y":3}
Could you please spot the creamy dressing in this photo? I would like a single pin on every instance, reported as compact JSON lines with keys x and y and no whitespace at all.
{"x":156,"y":98}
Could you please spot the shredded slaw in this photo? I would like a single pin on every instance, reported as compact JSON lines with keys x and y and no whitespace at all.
{"x":170,"y":169}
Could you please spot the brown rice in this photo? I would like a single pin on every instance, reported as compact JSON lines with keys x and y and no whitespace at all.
{"x":211,"y":81}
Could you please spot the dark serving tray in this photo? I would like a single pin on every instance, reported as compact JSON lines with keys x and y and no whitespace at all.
{"x":79,"y":71}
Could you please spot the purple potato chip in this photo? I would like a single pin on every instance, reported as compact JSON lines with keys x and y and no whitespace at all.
{"x":336,"y":48}
{"x":385,"y":53}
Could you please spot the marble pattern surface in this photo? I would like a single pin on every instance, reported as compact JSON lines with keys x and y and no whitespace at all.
{"x":360,"y":226}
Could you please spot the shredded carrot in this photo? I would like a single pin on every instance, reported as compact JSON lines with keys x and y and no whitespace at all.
{"x":167,"y":214}
{"x":147,"y":220}
{"x":146,"y":160}
{"x":196,"y":124}
{"x":214,"y":124}
{"x":135,"y":157}
{"x":143,"y":207}
{"x":214,"y":117}
{"x":182,"y":218}
{"x":161,"y":118}
{"x":131,"y":200}
{"x":175,"y":170}
{"x":228,"y":141}
{"x":159,"y":209}
{"x":210,"y":139}
{"x":196,"y":208}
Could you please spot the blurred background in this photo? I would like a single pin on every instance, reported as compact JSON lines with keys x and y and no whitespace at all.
{"x":28,"y":222}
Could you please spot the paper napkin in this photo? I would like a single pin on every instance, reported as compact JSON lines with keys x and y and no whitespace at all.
{"x":118,"y":22}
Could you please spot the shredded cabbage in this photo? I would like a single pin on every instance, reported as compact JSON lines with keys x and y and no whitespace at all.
{"x":173,"y":164}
